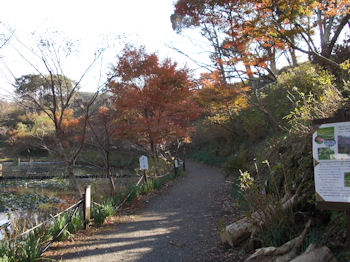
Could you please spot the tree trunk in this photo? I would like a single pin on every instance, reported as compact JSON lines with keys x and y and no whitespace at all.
{"x":272,"y":56}
{"x":68,"y":162}
{"x":109,"y":173}
{"x":294,"y":57}
{"x":76,"y":185}
{"x":155,"y":157}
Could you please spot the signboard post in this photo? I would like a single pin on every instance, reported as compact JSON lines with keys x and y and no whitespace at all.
{"x":144,"y":166}
{"x":183,"y":161}
{"x":331,"y":154}
{"x":176,"y":166}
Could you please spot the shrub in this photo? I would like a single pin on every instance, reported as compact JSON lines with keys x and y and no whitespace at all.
{"x":147,"y":187}
{"x":309,"y":107}
{"x":76,"y":224}
{"x":108,"y":208}
{"x":305,"y":92}
{"x":58,"y":225}
{"x":7,"y":251}
{"x":236,"y":162}
{"x":254,"y":123}
{"x":25,"y":249}
{"x":158,"y":183}
{"x":4,"y":258}
{"x":278,"y":231}
{"x":30,"y":247}
{"x":117,"y":199}
{"x":100,"y":213}
{"x":134,"y":192}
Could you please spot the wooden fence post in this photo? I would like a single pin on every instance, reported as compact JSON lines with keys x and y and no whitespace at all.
{"x":145,"y":176}
{"x":87,"y":206}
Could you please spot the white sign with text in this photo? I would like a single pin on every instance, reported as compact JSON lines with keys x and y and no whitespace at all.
{"x":143,"y":163}
{"x":331,"y":152}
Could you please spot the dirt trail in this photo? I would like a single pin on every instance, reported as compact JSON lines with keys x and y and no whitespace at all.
{"x":180,"y":224}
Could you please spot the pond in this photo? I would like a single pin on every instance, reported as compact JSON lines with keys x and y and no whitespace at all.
{"x":37,"y":199}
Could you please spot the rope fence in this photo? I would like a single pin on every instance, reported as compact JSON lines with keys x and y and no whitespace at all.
{"x":181,"y":162}
{"x":50,"y":219}
{"x":74,"y":207}
{"x":62,"y":229}
{"x":130,"y":192}
{"x":86,"y":200}
{"x":126,"y":197}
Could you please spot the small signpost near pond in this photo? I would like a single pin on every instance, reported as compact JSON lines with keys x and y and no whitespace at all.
{"x":331,"y":154}
{"x":176,"y":166}
{"x":144,"y":165}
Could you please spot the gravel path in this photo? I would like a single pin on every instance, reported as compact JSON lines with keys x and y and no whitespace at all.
{"x":180,"y":224}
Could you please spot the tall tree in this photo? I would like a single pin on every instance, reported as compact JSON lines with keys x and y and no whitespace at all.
{"x":53,"y":95}
{"x":153,"y":99}
{"x":103,"y":128}
{"x":235,"y":53}
{"x":253,"y":32}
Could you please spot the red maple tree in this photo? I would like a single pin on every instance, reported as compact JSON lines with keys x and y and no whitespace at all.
{"x":153,"y":99}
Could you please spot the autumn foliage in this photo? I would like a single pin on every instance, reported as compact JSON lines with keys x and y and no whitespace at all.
{"x":221,"y":101}
{"x":153,"y":99}
{"x":250,"y":35}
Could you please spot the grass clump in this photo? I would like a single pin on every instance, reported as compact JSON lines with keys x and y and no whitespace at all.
{"x":99,"y":213}
{"x":134,"y":192}
{"x":57,"y":226}
{"x":26,"y":248}
{"x":77,"y":223}
{"x":30,"y":247}
{"x":6,"y":251}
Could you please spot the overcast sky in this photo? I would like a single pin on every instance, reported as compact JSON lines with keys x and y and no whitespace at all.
{"x":91,"y":25}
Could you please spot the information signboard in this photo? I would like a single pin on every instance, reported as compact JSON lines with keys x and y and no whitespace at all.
{"x":143,"y":163}
{"x":331,"y":153}
{"x":176,"y":163}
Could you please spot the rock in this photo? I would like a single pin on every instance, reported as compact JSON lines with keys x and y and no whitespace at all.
{"x":313,"y":254}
